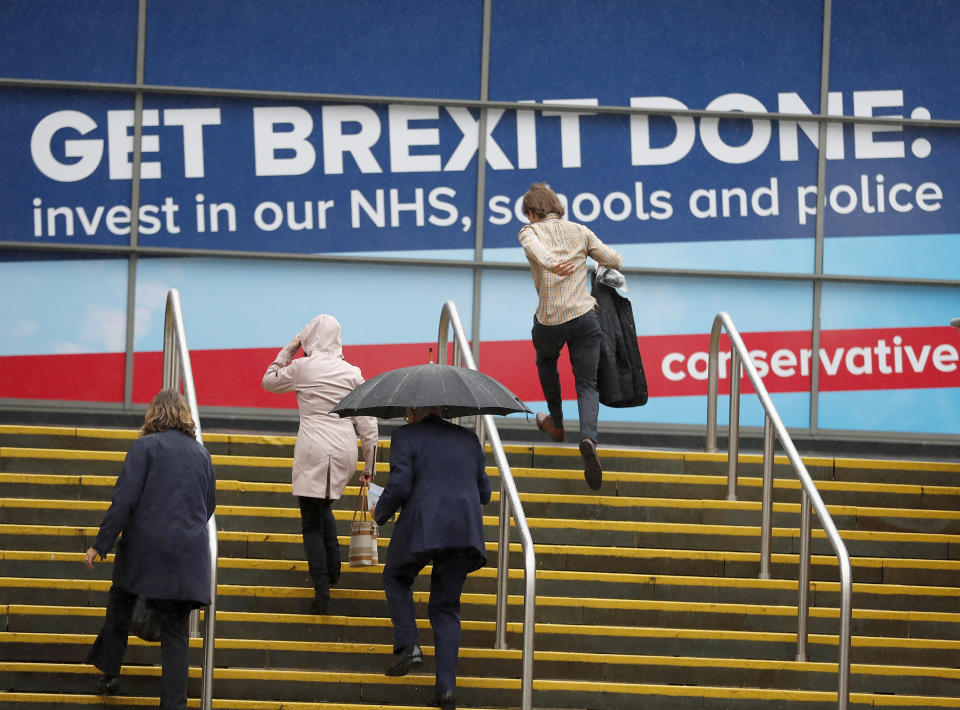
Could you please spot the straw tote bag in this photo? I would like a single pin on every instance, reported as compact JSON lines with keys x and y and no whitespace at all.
{"x":363,"y":534}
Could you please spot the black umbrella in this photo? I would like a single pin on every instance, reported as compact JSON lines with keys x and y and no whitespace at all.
{"x":459,"y":390}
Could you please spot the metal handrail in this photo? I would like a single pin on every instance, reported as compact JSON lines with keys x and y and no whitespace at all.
{"x":772,"y":423}
{"x":177,"y":371}
{"x":462,"y":355}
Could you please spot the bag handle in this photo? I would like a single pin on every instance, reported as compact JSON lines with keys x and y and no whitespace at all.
{"x":361,"y":505}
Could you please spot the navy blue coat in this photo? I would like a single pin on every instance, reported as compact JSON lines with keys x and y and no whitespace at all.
{"x":163,"y":498}
{"x":439,"y":482}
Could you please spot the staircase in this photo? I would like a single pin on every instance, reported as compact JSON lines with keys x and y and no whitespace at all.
{"x":648,"y":592}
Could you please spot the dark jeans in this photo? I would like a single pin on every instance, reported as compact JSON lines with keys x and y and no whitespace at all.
{"x":450,"y":569}
{"x":320,"y":542}
{"x":582,"y":338}
{"x":109,"y":647}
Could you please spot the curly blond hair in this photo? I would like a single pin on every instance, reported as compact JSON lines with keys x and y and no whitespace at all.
{"x":168,"y":410}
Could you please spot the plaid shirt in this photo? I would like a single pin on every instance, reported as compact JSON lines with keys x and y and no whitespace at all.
{"x":551,"y":241}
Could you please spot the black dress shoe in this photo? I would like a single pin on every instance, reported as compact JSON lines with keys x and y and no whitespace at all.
{"x":446,"y":700}
{"x":108,"y":685}
{"x":410,"y":656}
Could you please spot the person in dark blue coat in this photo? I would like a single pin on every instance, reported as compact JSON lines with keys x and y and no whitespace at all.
{"x":439,"y":483}
{"x":162,"y":500}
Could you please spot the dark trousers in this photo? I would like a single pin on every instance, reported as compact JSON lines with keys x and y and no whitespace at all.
{"x":582,"y":337}
{"x":450,"y":569}
{"x":320,"y":543}
{"x":109,"y":647}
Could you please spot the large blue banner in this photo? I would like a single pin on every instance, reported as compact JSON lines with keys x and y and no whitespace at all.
{"x":320,"y":177}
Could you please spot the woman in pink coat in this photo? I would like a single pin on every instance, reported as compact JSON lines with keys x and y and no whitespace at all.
{"x":325,"y":455}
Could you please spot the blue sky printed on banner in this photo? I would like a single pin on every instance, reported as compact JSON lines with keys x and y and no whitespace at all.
{"x":67,"y":307}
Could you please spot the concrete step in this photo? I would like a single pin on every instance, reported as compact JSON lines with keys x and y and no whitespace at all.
{"x":638,"y":560}
{"x":58,"y":701}
{"x":232,"y":493}
{"x":262,"y":686}
{"x":746,"y":614}
{"x":614,"y":533}
{"x":682,"y":600}
{"x":373,"y":658}
{"x":646,"y":630}
{"x":274,"y":460}
{"x":19,"y":539}
{"x":262,"y":479}
{"x":550,"y":582}
{"x":612,"y":586}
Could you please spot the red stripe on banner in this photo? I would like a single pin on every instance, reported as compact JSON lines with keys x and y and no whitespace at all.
{"x":231,"y":378}
{"x":87,"y":377}
{"x":676,"y":365}
{"x":870,"y":359}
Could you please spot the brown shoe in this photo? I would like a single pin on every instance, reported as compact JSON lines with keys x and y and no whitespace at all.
{"x":591,"y":464}
{"x":545,"y":424}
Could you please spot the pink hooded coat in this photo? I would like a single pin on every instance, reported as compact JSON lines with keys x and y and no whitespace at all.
{"x":325,"y":455}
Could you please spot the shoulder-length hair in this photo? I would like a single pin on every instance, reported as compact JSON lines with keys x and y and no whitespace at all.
{"x":168,"y":410}
{"x":541,"y":200}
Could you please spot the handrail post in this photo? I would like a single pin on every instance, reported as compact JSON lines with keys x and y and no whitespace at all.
{"x":713,"y":385}
{"x":443,"y":334}
{"x":846,"y":614}
{"x":178,"y":374}
{"x":733,"y":445}
{"x":766,"y":511}
{"x":509,"y":505}
{"x":803,"y":600}
{"x":503,"y":563}
{"x":773,"y":426}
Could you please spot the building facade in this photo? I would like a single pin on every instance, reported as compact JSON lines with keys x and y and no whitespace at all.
{"x":272,"y":161}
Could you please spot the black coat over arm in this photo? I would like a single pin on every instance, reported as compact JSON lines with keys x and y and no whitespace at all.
{"x":621,"y":381}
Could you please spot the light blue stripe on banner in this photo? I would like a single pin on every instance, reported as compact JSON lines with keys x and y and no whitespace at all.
{"x":774,"y":255}
{"x":922,"y":256}
{"x":857,"y":306}
{"x":235,"y":303}
{"x":930,"y":411}
{"x":793,"y":407}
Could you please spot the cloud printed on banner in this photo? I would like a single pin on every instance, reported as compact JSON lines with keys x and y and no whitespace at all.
{"x":100,"y":330}
{"x":107,"y":326}
{"x":23,"y":328}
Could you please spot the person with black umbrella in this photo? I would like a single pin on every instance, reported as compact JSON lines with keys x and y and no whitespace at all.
{"x":439,"y":483}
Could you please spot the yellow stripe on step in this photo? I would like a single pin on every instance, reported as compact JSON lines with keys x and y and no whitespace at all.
{"x":60,"y":454}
